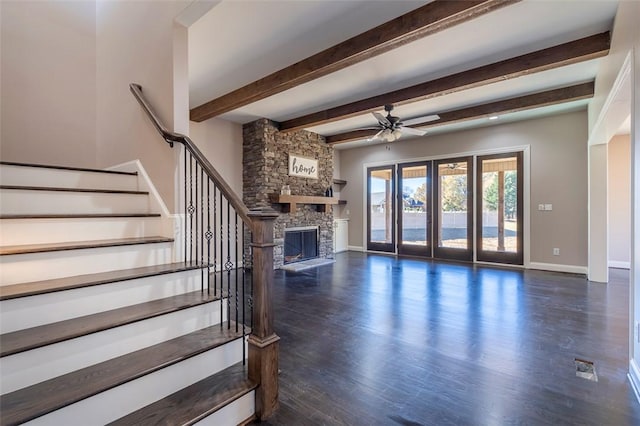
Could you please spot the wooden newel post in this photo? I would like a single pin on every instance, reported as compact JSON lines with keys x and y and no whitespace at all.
{"x":263,"y":342}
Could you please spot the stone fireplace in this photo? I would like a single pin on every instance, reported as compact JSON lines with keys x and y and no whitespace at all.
{"x":265,"y":153}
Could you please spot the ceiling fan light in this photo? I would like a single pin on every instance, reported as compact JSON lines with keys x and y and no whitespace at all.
{"x":396,"y":134}
{"x":386,"y":135}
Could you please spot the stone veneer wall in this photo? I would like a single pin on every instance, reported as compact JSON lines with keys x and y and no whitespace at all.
{"x":265,"y":158}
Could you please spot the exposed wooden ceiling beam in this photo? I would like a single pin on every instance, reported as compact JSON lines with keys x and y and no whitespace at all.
{"x":575,"y":51}
{"x":521,"y":103}
{"x":428,"y":19}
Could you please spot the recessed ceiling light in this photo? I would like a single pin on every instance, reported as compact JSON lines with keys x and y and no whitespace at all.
{"x":493,"y":117}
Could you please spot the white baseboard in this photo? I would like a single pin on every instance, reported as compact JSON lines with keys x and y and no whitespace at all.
{"x":634,"y":378}
{"x":619,"y":265}
{"x":355,"y":248}
{"x":572,"y":269}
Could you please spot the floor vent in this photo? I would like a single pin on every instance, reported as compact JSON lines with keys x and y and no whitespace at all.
{"x":586,"y":370}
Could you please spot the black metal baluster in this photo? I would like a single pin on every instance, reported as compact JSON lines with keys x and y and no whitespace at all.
{"x":208,"y":235}
{"x":197,"y":228}
{"x":244,"y":301}
{"x":191,"y":209}
{"x":201,"y":233}
{"x":228,"y":264}
{"x":236,"y":273}
{"x":252,"y":272}
{"x":184,"y":229}
{"x":222,"y":259}
{"x":215,"y":252}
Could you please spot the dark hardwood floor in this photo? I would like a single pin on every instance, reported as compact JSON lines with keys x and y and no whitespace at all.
{"x":376,"y":340}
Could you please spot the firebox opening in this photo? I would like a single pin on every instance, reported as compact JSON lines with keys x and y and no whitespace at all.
{"x":300,"y":244}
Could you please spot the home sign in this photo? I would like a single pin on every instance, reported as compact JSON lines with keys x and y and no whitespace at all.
{"x":303,"y":167}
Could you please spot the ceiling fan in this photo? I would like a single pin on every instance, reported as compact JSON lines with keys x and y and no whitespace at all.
{"x":391,"y":128}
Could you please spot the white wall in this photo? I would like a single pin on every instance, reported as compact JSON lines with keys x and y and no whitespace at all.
{"x":558,"y":176}
{"x":619,"y":201}
{"x":48,"y":84}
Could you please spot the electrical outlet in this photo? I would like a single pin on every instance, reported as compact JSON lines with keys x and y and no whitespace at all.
{"x":556,"y":251}
{"x":548,"y":207}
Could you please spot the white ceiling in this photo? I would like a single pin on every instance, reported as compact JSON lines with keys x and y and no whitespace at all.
{"x":240,"y":41}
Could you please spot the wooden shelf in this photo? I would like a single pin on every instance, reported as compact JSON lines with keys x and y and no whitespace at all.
{"x":340,"y":182}
{"x":290,"y":202}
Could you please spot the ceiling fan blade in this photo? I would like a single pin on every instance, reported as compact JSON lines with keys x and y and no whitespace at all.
{"x":412,"y":131}
{"x":376,"y":136}
{"x":381,"y":119}
{"x":422,"y":119}
{"x":366,"y":128}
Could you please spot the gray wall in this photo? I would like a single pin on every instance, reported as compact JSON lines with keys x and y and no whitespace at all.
{"x":558,"y":160}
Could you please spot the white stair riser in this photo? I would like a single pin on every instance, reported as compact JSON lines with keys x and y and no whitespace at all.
{"x":19,"y":268}
{"x":117,"y":402}
{"x":38,"y":176}
{"x":32,"y":311}
{"x":233,"y":414}
{"x":30,"y":367}
{"x":18,"y":201}
{"x":42,"y":231}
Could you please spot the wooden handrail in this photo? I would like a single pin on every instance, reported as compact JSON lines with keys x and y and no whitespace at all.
{"x":172,"y":137}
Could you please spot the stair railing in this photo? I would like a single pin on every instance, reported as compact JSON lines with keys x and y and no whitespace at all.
{"x":234,"y":246}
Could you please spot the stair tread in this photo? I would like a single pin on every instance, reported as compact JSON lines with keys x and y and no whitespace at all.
{"x":47,"y":247}
{"x":77,"y":169}
{"x":63,"y":189}
{"x":47,"y":334}
{"x":78,"y":281}
{"x":194,"y":402}
{"x":28,"y":403}
{"x":78,"y":216}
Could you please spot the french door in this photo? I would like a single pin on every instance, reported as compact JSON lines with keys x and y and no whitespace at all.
{"x":453,"y":208}
{"x":414,"y":208}
{"x":499,"y":221}
{"x":381,"y":211}
{"x":426,"y":208}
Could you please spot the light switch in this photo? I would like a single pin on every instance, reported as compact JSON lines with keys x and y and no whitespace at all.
{"x":540,"y":207}
{"x":548,"y":206}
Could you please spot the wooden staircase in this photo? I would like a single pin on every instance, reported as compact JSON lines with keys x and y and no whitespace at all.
{"x":100,"y":323}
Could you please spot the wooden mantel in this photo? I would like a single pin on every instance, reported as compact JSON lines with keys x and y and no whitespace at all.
{"x":289,"y":202}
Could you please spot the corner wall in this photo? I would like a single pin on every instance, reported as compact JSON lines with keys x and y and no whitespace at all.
{"x":558,"y":164}
{"x":135,"y":44}
{"x":48,"y":86}
{"x":221,"y":142}
{"x":66,"y":68}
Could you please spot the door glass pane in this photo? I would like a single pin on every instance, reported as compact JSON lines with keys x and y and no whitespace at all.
{"x":414,"y":205}
{"x":499,"y":204}
{"x":381,"y":196}
{"x":452,"y":205}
